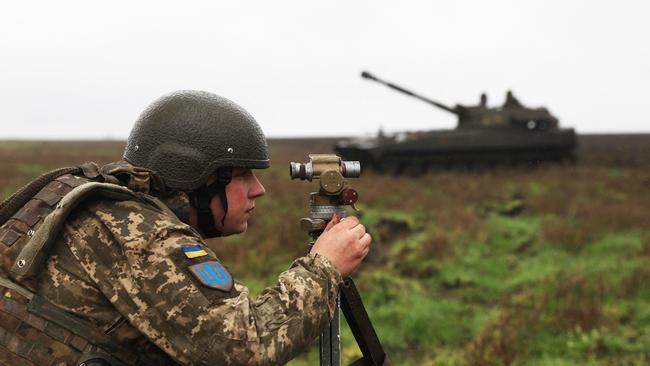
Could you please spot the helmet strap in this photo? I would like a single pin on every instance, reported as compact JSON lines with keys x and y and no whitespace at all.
{"x":201,"y":198}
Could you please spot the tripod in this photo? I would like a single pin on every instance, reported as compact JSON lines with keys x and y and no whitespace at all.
{"x":333,"y":195}
{"x":362,"y":329}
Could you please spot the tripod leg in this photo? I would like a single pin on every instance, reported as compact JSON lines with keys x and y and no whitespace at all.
{"x":361,"y":327}
{"x":330,"y":339}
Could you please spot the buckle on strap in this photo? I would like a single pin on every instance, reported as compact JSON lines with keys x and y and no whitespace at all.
{"x":6,"y":283}
{"x":98,"y":359}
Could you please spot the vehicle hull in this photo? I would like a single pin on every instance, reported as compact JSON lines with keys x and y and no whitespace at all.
{"x":475,"y":147}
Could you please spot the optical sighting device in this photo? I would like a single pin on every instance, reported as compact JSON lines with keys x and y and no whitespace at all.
{"x":333,"y":195}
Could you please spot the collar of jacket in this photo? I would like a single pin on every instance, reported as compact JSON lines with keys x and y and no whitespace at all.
{"x":146,"y":181}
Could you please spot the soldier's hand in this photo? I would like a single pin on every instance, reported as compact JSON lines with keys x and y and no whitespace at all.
{"x":344,"y":242}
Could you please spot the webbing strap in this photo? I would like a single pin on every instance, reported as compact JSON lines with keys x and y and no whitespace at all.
{"x":6,"y":283}
{"x":43,"y":308}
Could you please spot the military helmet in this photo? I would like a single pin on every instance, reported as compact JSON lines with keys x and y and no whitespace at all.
{"x":187,"y":135}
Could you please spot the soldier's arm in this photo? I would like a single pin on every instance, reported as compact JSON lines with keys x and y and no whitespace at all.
{"x":135,"y":255}
{"x":283,"y":319}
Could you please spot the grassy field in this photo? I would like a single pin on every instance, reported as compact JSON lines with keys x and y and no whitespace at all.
{"x":544,"y":266}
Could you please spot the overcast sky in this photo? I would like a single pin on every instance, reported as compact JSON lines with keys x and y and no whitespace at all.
{"x":86,"y":69}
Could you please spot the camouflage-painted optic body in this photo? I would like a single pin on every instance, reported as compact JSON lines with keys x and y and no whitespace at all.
{"x":484,"y":136}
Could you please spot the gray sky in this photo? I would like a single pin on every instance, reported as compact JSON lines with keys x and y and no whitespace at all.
{"x":84,"y":69}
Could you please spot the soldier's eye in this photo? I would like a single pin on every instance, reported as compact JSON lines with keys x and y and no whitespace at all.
{"x":241,"y":172}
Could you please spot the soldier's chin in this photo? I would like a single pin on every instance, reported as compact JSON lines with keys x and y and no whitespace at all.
{"x":235,"y":230}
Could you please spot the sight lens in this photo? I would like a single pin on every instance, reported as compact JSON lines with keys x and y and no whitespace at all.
{"x":351,"y":169}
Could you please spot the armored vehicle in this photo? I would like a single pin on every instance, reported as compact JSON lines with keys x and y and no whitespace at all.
{"x":485,"y":136}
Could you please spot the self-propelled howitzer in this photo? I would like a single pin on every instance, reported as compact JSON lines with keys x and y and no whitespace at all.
{"x":484,"y":136}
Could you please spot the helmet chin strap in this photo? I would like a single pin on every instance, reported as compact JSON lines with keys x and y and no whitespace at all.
{"x":201,"y":198}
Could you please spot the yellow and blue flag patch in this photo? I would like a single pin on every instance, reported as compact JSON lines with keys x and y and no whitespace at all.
{"x":194,"y":251}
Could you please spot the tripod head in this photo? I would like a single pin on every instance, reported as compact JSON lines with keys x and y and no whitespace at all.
{"x":334,"y":192}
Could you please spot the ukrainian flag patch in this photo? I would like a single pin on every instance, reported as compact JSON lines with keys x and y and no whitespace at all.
{"x":194,"y":251}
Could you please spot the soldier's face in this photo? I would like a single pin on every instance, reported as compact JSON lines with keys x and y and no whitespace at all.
{"x":241,"y":192}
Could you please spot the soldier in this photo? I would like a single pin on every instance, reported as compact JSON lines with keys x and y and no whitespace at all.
{"x":126,"y":277}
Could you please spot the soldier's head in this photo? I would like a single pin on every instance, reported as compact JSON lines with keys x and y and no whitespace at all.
{"x":205,"y":145}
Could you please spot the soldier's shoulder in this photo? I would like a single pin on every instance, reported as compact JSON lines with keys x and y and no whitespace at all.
{"x":128,"y":218}
{"x":137,"y":204}
{"x":124,"y":208}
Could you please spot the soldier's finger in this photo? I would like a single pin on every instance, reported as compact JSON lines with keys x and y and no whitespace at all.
{"x":358,"y":230}
{"x":365,"y":251}
{"x":336,"y":218}
{"x":365,"y":240}
{"x":350,"y":222}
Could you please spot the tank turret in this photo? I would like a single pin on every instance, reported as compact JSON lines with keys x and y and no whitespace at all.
{"x":512,"y":113}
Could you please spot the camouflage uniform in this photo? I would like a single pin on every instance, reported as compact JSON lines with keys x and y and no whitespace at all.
{"x":121,"y":265}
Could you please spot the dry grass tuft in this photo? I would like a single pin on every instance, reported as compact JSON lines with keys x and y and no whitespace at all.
{"x":576,"y":301}
{"x":502,"y":342}
{"x":437,"y":246}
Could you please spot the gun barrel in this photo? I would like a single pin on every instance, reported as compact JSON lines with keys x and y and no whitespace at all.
{"x":367,"y":75}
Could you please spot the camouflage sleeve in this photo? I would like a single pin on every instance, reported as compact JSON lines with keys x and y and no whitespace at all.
{"x":137,"y":257}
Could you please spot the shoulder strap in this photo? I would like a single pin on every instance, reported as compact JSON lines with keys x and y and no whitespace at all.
{"x":34,"y":252}
{"x":20,"y":197}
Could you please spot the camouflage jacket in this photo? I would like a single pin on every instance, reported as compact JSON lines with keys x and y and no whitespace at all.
{"x":124,"y":266}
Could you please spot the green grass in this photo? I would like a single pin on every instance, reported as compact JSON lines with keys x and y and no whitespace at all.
{"x":549,"y":266}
